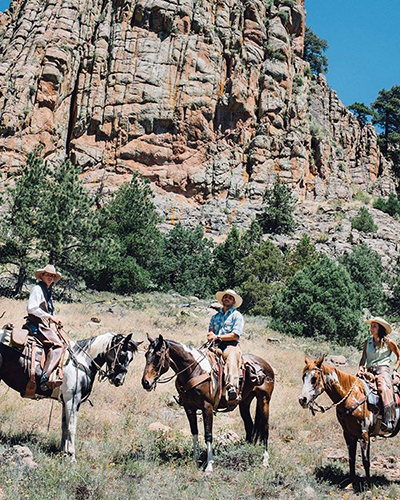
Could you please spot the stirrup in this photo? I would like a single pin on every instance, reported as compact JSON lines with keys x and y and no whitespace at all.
{"x":44,"y":383}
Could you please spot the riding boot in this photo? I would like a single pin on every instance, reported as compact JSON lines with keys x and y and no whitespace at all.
{"x":52,"y":359}
{"x":387,"y":421}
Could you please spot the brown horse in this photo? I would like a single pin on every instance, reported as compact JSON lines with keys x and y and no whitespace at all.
{"x":357,"y":417}
{"x":198,"y":388}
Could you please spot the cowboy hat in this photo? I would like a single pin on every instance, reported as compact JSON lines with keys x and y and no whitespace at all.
{"x":238,"y":298}
{"x":48,"y":269}
{"x":382,"y":322}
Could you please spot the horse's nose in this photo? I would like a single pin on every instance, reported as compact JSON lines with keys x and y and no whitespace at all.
{"x":302,"y":400}
{"x":145,"y":384}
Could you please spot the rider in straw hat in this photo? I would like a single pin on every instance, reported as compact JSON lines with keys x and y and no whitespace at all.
{"x":226,"y":327}
{"x":40,"y":315}
{"x":376,"y":360}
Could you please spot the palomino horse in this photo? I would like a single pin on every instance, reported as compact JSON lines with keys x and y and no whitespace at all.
{"x":199,"y":390}
{"x":357,"y":417}
{"x":86,"y":358}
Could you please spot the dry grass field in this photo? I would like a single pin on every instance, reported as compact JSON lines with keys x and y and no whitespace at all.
{"x":120,"y":457}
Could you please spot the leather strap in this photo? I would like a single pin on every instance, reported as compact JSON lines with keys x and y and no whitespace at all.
{"x":195,"y":381}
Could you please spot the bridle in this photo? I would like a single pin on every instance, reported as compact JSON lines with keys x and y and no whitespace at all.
{"x":109,"y":372}
{"x":165,"y":361}
{"x":315,"y":407}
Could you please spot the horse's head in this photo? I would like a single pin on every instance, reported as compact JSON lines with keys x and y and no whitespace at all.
{"x":157,"y":362}
{"x":313,"y":382}
{"x":119,"y":357}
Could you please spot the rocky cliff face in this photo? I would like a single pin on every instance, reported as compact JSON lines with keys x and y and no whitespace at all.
{"x":210,"y":99}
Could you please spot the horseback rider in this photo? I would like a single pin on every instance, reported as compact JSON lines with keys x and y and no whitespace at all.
{"x":226,"y":327}
{"x":375,"y":359}
{"x":40,"y":315}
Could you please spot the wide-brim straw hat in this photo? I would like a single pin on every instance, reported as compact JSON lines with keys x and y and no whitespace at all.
{"x":48,"y":269}
{"x":382,"y":322}
{"x":238,"y":298}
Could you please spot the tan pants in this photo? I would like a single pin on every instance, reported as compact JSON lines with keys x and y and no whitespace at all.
{"x":52,"y":346}
{"x":232,"y":355}
{"x":384,"y":384}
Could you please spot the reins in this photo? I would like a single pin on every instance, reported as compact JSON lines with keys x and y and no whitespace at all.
{"x":103,"y":374}
{"x":315,"y":407}
{"x":176,"y":374}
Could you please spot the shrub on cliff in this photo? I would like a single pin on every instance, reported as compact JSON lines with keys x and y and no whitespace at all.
{"x":363,"y":221}
{"x":320,"y":300}
{"x":314,"y":48}
{"x":186,"y":262}
{"x":278,"y":207}
{"x":366,"y":270}
{"x":390,"y":206}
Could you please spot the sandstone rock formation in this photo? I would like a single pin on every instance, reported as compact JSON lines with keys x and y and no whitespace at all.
{"x":209,"y":99}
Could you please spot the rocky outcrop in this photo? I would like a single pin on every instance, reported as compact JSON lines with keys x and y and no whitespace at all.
{"x":211,"y":100}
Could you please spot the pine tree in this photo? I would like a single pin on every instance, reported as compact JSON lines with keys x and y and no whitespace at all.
{"x":127,"y":256}
{"x":20,"y":225}
{"x":387,"y":119}
{"x":279,"y":205}
{"x":187,"y":262}
{"x":314,"y":48}
{"x":362,"y":112}
{"x":66,"y":219}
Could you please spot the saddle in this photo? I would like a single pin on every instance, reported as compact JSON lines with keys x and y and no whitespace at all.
{"x":372,"y":392}
{"x":21,"y":340}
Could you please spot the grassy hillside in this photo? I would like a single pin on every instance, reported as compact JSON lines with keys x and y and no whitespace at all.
{"x":120,"y":457}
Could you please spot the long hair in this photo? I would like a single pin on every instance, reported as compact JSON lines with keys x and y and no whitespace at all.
{"x":382,"y":334}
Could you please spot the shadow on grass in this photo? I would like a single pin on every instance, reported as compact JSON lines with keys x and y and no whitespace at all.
{"x":27,"y":438}
{"x":335,"y":476}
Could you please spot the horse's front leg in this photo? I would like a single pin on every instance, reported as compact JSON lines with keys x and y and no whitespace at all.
{"x":69,"y":418}
{"x":192,"y":417}
{"x":352,"y":447}
{"x":208,"y":423}
{"x":365,"y":449}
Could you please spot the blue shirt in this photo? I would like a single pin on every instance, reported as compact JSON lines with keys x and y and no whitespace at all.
{"x":230,"y":322}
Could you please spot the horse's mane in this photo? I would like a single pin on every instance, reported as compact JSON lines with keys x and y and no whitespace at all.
{"x":96,"y":345}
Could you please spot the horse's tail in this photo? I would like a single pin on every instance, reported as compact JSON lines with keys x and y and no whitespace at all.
{"x":261,"y":422}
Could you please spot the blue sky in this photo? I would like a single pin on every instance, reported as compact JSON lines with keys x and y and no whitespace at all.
{"x":364,"y":44}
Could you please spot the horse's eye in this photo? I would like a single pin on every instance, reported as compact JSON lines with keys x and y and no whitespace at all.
{"x":313,"y":380}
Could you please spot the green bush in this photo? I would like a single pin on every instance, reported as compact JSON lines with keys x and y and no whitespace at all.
{"x":127,"y":254}
{"x":363,"y":221}
{"x":259,"y":276}
{"x":320,"y":300}
{"x":390,"y":206}
{"x":186,"y":264}
{"x":301,"y":255}
{"x":366,"y":270}
{"x":279,"y":205}
{"x":229,"y":254}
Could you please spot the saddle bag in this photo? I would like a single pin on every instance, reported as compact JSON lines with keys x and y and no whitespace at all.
{"x":18,"y":336}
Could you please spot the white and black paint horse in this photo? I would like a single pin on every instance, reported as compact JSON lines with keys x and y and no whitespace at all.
{"x":85,"y":361}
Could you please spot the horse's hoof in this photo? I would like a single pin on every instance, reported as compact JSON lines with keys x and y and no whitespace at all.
{"x":209,"y":469}
{"x":265,"y":462}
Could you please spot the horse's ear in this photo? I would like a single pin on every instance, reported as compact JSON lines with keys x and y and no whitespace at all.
{"x":307,"y":360}
{"x":128,"y":337}
{"x":161,"y":339}
{"x":136,"y":344}
{"x":320,"y":361}
{"x":149,"y":338}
